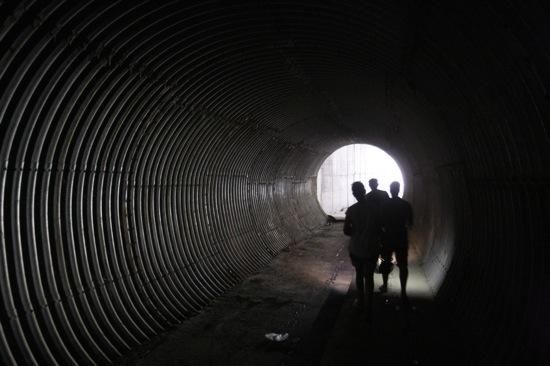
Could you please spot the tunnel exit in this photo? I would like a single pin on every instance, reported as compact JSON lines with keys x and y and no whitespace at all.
{"x":350,"y":163}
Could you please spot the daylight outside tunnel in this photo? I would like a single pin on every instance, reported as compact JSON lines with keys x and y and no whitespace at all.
{"x":155,"y":154}
{"x":351,"y":163}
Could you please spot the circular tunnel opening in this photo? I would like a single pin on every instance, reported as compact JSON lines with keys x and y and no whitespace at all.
{"x":351,"y":163}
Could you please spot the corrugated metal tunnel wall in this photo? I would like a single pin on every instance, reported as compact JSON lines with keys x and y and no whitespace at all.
{"x":153,"y":154}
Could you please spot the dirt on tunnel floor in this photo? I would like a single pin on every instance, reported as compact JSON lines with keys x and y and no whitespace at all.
{"x":306,"y":293}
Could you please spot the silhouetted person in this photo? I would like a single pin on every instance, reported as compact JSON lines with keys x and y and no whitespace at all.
{"x":397,"y":217}
{"x":362,"y":224}
{"x":375,"y":194}
{"x":378,"y":197}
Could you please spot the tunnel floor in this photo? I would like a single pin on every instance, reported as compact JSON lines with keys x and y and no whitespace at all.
{"x":308,"y":292}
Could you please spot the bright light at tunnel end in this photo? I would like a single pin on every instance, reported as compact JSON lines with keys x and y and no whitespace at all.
{"x":357,"y":162}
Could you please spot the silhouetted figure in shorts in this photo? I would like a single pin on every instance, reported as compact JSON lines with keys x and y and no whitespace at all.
{"x":378,"y":197}
{"x":362,"y":223}
{"x":397,"y":217}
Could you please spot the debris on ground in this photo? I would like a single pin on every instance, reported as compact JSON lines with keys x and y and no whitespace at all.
{"x":277,"y":337}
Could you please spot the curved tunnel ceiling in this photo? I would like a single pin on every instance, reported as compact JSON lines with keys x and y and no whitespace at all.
{"x":154,"y":155}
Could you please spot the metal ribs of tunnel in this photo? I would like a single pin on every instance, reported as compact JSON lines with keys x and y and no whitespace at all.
{"x":133,"y":191}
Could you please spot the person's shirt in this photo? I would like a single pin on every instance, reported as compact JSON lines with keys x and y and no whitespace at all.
{"x":397,"y":217}
{"x":377,"y":196}
{"x":362,"y":224}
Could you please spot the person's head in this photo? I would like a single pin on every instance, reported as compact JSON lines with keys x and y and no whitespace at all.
{"x":373,"y":184}
{"x":358,"y":190}
{"x":394,"y":188}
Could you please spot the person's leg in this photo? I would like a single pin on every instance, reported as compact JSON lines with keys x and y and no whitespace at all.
{"x":369,"y":280}
{"x":385,"y":267}
{"x":360,"y":283}
{"x":385,"y":278}
{"x":369,"y":276}
{"x":401,"y":255}
{"x":359,"y":280}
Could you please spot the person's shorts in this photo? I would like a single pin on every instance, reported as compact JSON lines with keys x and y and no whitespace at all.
{"x":359,"y":261}
{"x":401,"y":254}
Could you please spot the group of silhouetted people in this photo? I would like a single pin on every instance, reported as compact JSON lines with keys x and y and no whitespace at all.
{"x":378,"y":227}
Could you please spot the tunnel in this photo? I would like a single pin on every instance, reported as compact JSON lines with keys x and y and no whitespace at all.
{"x":155,"y":154}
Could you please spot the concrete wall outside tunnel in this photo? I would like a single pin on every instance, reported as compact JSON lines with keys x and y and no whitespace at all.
{"x":154,"y":155}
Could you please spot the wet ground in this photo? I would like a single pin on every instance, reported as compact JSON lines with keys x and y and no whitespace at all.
{"x":308,"y":292}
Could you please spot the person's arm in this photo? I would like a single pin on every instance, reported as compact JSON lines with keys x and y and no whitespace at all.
{"x":348,"y":229}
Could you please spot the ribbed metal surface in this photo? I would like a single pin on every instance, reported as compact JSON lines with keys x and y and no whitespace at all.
{"x":133,"y":191}
{"x":155,"y":153}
